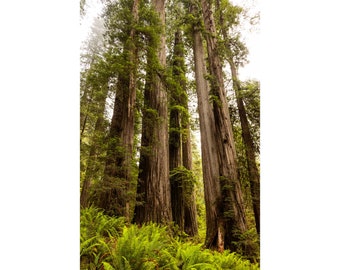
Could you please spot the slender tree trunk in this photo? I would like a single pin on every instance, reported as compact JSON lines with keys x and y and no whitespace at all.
{"x":190,"y":209}
{"x":250,"y":149}
{"x":153,"y":190}
{"x":84,"y":101}
{"x":117,"y":174}
{"x":246,"y":135}
{"x":175,"y":156}
{"x":231,"y":221}
{"x":95,"y":145}
{"x":84,"y":115}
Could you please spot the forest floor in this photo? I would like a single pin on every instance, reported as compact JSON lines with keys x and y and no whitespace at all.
{"x":109,"y":243}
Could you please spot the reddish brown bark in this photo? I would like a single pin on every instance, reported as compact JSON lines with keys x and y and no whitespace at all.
{"x":184,"y":210}
{"x":226,"y":218}
{"x":246,"y":135}
{"x":153,"y":190}
{"x":212,"y":190}
{"x":117,"y":174}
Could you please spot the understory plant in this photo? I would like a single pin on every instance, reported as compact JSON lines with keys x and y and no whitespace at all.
{"x":107,"y":243}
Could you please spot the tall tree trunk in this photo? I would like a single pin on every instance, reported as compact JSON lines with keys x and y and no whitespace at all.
{"x":98,"y":132}
{"x":188,"y":188}
{"x":246,"y":135}
{"x":117,"y":174}
{"x":175,"y":139}
{"x":231,"y":219}
{"x":249,"y":147}
{"x":212,"y":191}
{"x":153,"y":190}
{"x":175,"y":156}
{"x":190,"y":209}
{"x":183,"y":201}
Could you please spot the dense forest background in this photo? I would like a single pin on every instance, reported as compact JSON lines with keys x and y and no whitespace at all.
{"x":169,"y":134}
{"x":39,"y":112}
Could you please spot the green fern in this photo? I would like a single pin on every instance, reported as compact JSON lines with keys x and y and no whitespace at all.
{"x":227,"y":260}
{"x":106,"y":243}
{"x":143,"y":248}
{"x":98,"y":234}
{"x":94,"y":222}
{"x":88,"y":247}
{"x":192,"y":257}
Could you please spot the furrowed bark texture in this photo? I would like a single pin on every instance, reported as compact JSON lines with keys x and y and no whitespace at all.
{"x":231,"y":221}
{"x":212,"y":190}
{"x":175,"y":140}
{"x":117,"y":174}
{"x":183,"y":200}
{"x":153,"y":190}
{"x":246,"y":135}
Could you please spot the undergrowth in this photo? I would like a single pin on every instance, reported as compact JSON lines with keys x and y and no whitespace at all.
{"x":108,"y":243}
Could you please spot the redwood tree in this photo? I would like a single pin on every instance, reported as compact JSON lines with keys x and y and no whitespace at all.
{"x":224,"y":202}
{"x":182,"y":180}
{"x":235,"y":53}
{"x":116,"y":184}
{"x":175,"y":136}
{"x":212,"y":191}
{"x":153,"y":189}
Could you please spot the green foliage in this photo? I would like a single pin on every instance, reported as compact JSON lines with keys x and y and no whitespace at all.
{"x":215,"y":100}
{"x":149,"y":25}
{"x":149,"y":30}
{"x":192,"y":257}
{"x":186,"y":177}
{"x":143,"y":248}
{"x":251,"y":97}
{"x":230,"y":44}
{"x":250,"y":94}
{"x":231,"y":13}
{"x":227,"y":260}
{"x":94,"y":222}
{"x":250,"y":239}
{"x":106,"y":243}
{"x":98,"y":232}
{"x":93,"y":121}
{"x":118,"y":20}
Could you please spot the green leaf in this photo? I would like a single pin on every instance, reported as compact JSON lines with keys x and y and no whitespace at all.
{"x":107,"y":266}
